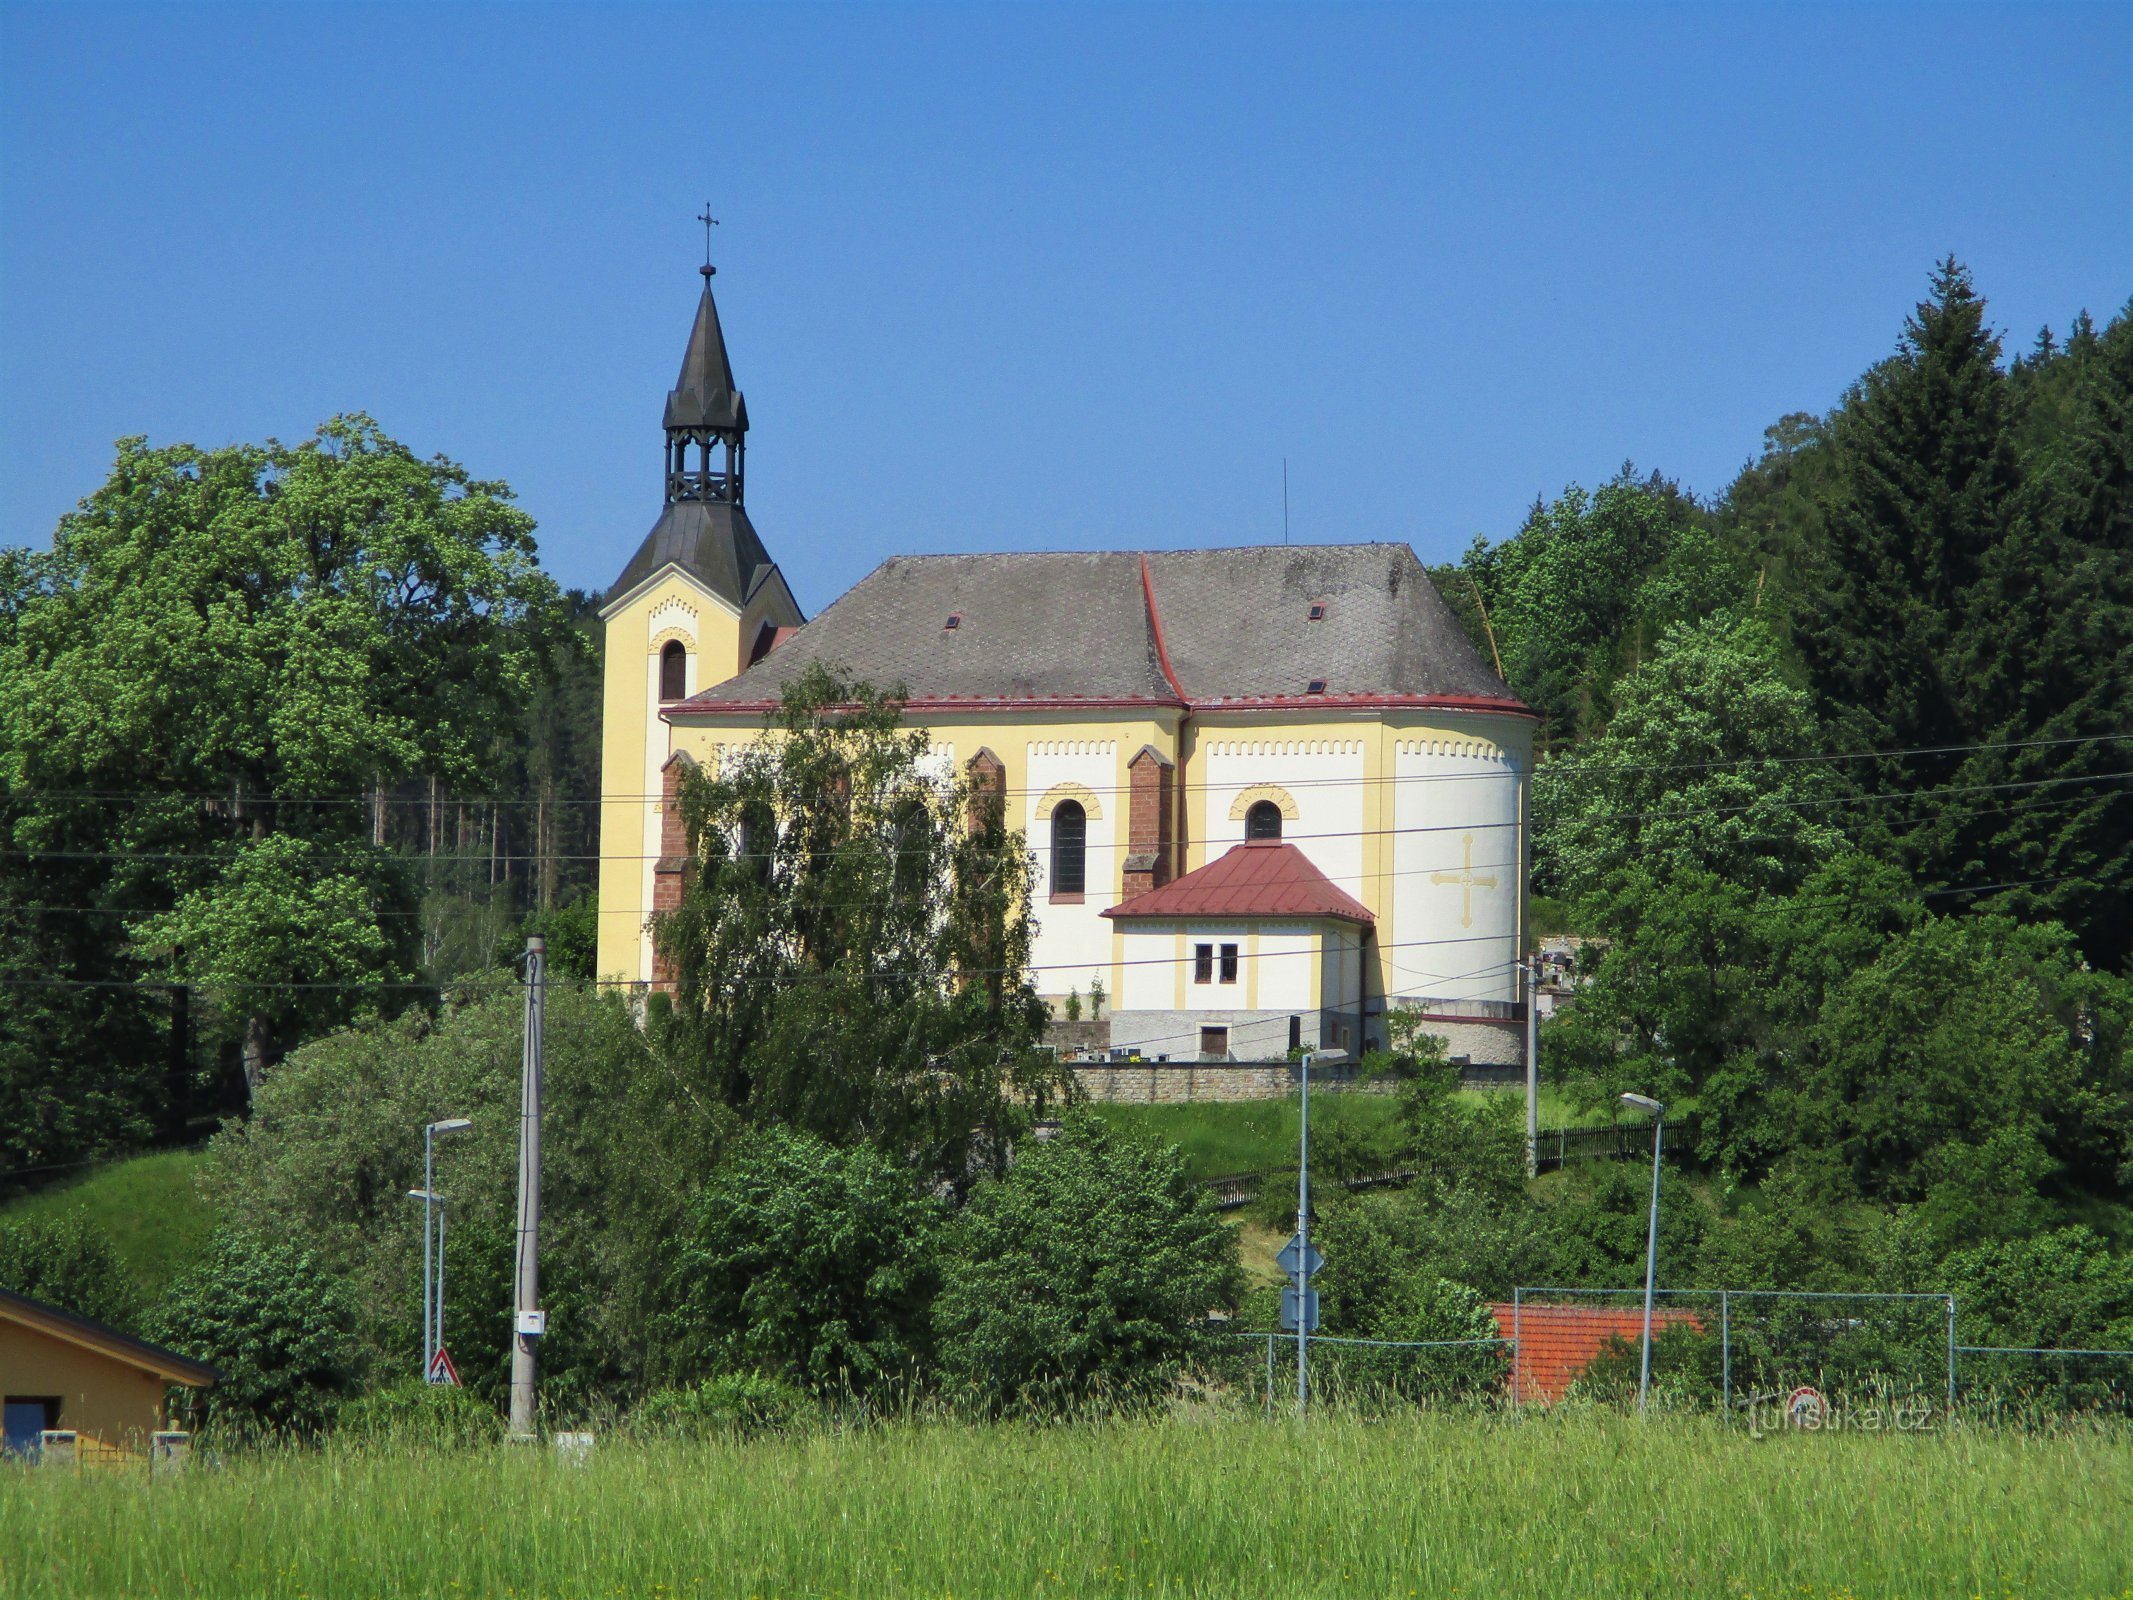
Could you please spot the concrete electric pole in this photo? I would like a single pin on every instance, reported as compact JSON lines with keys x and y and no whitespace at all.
{"x":528,"y":1322}
{"x":1533,"y":1115}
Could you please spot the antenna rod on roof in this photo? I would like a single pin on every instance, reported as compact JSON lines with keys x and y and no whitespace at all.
{"x":1284,"y":499}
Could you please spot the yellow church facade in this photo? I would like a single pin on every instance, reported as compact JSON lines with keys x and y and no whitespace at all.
{"x":1271,"y":791}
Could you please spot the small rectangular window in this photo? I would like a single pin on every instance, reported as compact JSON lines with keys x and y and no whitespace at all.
{"x":1229,"y":963}
{"x":1214,"y":1043}
{"x":1315,"y":686}
{"x":1317,"y":613}
{"x":955,"y":620}
{"x":1203,"y":963}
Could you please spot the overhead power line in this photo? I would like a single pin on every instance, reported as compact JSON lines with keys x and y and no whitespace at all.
{"x":1561,"y":768}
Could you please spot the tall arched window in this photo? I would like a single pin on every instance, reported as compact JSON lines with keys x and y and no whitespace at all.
{"x":1263,"y":821}
{"x":1070,"y":848}
{"x":673,"y":671}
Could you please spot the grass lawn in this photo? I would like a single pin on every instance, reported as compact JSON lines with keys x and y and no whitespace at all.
{"x":1199,"y":1504}
{"x":1220,"y":1137}
{"x":148,"y":1206}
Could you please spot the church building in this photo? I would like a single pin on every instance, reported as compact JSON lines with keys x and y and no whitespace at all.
{"x":1272,"y":790}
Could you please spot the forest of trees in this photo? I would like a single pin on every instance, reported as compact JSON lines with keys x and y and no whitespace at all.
{"x":1837,"y":777}
{"x":289,"y":737}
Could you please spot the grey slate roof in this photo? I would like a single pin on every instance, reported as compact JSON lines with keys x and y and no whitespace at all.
{"x":710,"y":539}
{"x":1076,"y":626}
{"x":704,"y":395}
{"x":1237,"y":624}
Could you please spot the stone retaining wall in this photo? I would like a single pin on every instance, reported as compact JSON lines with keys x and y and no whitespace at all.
{"x":1178,"y":1082}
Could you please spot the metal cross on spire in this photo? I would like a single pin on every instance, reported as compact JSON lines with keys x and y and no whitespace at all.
{"x":709,"y":222}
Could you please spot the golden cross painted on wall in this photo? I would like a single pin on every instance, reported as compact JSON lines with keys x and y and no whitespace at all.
{"x":1467,"y":882}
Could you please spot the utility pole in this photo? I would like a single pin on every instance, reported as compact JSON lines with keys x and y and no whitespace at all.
{"x":1533,"y":1115}
{"x":1303,"y":1240}
{"x":527,"y":1323}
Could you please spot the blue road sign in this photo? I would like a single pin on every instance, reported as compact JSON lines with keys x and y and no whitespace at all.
{"x":1286,"y":1259}
{"x":1288,"y":1310}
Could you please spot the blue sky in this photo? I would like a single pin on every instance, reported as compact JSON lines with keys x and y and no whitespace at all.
{"x":1027,"y":277}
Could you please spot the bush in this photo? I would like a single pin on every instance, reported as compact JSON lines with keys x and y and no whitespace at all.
{"x":279,"y":1329}
{"x":804,"y":1262}
{"x":1085,"y":1275}
{"x":746,"y":1404}
{"x":1686,"y":1363}
{"x":67,"y":1262}
{"x":334,"y":1143}
{"x":436,"y":1416}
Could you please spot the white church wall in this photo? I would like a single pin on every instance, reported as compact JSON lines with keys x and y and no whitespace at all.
{"x":1148,"y":976}
{"x":1073,"y":942}
{"x":1325,"y":778}
{"x":1281,"y":972}
{"x":1455,"y":872}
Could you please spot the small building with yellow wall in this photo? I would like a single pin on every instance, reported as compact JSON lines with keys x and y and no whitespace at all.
{"x":58,"y":1370}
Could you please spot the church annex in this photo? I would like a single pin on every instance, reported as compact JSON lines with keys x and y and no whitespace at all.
{"x":1272,"y":790}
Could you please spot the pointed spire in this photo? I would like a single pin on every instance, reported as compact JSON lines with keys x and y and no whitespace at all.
{"x":704,"y":397}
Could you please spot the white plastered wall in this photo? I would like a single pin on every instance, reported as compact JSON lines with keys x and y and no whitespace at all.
{"x":1073,"y":943}
{"x":1323,"y":776}
{"x":1455,"y":870}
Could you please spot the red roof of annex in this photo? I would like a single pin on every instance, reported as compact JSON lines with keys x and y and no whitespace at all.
{"x":1259,"y":878}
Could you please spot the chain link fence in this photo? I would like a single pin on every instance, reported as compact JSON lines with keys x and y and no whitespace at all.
{"x":1759,"y":1358}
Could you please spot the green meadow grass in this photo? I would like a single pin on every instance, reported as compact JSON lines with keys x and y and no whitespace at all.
{"x":1572,"y":1505}
{"x":1222,"y":1137}
{"x":148,"y":1206}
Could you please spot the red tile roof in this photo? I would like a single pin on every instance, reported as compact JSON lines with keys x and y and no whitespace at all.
{"x":1557,"y":1343}
{"x":1260,"y":878}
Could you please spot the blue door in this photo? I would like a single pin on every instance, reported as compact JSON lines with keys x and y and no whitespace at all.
{"x":26,"y":1421}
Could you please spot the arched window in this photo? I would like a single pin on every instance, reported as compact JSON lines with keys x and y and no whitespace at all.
{"x":1263,"y":821}
{"x":1070,"y":848}
{"x":673,"y":671}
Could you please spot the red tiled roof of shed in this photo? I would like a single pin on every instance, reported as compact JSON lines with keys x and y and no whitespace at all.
{"x":1259,"y":878}
{"x":1557,"y":1343}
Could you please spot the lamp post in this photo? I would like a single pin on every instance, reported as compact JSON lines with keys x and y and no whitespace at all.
{"x":433,"y":1224}
{"x":1651,"y":1246}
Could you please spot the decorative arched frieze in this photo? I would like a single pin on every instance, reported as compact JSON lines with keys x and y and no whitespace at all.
{"x":1070,"y":791}
{"x":1272,"y":792}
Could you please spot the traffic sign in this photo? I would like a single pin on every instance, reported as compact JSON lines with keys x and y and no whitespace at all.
{"x":1288,"y":1309}
{"x":441,"y":1368}
{"x":1286,"y":1260}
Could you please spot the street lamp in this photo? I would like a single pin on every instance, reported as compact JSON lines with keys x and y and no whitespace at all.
{"x":1651,"y":1245}
{"x":433,"y":1224}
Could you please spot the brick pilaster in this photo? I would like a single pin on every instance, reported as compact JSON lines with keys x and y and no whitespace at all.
{"x":988,"y":791}
{"x":670,"y":873}
{"x":1151,"y":779}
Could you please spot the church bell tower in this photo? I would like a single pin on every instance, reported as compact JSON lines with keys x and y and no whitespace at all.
{"x":698,"y":601}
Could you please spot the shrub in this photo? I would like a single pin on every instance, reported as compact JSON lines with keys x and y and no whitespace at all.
{"x":436,"y":1416}
{"x":1084,"y":1275}
{"x":806,"y":1263}
{"x":733,"y":1403}
{"x":68,"y":1262}
{"x":278,"y":1327}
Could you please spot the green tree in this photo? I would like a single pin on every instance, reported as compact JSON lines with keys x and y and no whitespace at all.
{"x":225,"y":648}
{"x":1700,"y":769}
{"x":67,"y":1262}
{"x":1970,"y":1066}
{"x":279,"y":1328}
{"x":1585,"y":588}
{"x":2065,"y":1288}
{"x":1924,"y":491}
{"x":850,"y":955}
{"x":335,"y":1142}
{"x":1085,"y":1275}
{"x":806,"y":1263}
